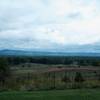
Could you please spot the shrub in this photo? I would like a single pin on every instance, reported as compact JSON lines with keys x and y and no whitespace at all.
{"x":79,"y":77}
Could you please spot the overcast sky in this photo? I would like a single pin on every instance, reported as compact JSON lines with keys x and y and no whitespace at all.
{"x":42,"y":24}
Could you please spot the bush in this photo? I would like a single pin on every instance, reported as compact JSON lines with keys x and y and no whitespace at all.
{"x":79,"y":77}
{"x":4,"y":70}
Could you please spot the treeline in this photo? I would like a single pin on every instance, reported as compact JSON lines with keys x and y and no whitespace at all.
{"x":81,"y":61}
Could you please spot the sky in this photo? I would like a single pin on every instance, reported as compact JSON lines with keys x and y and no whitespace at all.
{"x":49,"y":24}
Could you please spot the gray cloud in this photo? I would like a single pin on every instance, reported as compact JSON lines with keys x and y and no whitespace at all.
{"x":48,"y":23}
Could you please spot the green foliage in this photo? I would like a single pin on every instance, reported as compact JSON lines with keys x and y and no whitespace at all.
{"x":82,"y":61}
{"x":4,"y":70}
{"x":79,"y":77}
{"x":65,"y":79}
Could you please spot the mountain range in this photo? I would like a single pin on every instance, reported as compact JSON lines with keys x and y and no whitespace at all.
{"x":69,"y":50}
{"x":7,"y":52}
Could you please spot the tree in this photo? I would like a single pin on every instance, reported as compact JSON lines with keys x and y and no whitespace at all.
{"x":66,"y":79}
{"x":4,"y":70}
{"x":79,"y":77}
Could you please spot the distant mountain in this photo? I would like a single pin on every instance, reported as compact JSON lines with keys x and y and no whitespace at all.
{"x":44,"y":53}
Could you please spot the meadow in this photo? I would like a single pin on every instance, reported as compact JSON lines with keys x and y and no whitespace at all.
{"x":48,"y":73}
{"x":76,"y":94}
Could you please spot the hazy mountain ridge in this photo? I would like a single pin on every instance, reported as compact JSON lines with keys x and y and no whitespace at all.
{"x":45,"y":53}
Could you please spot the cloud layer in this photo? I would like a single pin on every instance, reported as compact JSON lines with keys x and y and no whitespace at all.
{"x":48,"y":24}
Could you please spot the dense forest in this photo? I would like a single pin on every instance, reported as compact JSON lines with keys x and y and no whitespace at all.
{"x":84,"y":61}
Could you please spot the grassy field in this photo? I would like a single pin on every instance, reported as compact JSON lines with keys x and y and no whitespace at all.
{"x":82,"y":94}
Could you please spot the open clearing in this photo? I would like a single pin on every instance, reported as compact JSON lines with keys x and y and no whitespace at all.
{"x":77,"y":94}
